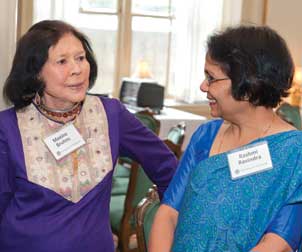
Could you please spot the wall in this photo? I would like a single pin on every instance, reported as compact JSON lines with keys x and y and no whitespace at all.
{"x":8,"y":17}
{"x":285,"y":17}
{"x":280,"y":15}
{"x":253,"y":12}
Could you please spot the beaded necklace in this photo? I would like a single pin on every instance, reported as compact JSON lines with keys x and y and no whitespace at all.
{"x":58,"y":114}
{"x":74,"y":110}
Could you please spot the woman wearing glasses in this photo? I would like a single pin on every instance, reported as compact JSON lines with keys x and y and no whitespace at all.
{"x":239,"y":184}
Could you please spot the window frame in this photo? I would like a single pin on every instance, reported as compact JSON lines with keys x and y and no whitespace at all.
{"x":124,"y":39}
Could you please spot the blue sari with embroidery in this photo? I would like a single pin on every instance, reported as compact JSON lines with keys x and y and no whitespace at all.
{"x":221,"y":214}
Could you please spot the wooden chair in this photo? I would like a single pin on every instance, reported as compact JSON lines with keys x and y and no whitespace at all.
{"x":175,"y":138}
{"x":148,"y":119}
{"x":129,"y":186}
{"x":290,"y":114}
{"x":177,"y":133}
{"x":122,"y":206}
{"x":144,"y":216}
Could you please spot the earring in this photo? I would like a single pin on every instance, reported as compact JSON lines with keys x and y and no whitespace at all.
{"x":37,"y":98}
{"x":246,"y":98}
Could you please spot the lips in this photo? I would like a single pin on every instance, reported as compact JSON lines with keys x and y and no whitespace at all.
{"x":211,"y":101}
{"x":76,"y":86}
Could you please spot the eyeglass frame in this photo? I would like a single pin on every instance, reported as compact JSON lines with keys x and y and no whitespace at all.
{"x":213,"y":80}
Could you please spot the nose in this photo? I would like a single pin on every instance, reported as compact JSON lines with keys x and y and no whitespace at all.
{"x":204,"y":87}
{"x":75,"y":67}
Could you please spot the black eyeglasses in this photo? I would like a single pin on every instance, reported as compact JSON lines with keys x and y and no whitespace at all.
{"x":211,"y":79}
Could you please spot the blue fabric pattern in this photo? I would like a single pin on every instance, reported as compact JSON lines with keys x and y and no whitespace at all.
{"x":221,"y":214}
{"x":197,"y":150}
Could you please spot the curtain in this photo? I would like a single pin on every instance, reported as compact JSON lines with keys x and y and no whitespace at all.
{"x":50,"y":9}
{"x":195,"y":21}
{"x":8,"y":27}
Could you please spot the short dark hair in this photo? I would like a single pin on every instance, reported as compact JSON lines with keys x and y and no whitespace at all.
{"x":258,"y":62}
{"x":31,"y":54}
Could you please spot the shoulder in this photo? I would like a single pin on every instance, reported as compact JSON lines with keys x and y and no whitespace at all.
{"x":287,"y":144}
{"x":294,"y":136}
{"x":203,"y":137}
{"x":8,"y":123}
{"x":8,"y":116}
{"x":111,"y":105}
{"x":208,"y":129}
{"x":105,"y":100}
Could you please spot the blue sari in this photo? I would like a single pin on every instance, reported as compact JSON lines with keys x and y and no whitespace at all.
{"x":221,"y":214}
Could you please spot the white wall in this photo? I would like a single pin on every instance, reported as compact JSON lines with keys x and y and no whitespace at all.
{"x":285,"y":17}
{"x":8,"y":12}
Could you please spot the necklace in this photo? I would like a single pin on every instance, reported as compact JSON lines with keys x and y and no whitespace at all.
{"x":74,"y":110}
{"x":58,"y":113}
{"x":261,"y":135}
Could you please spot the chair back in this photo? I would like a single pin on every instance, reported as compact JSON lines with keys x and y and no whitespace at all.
{"x":144,"y":214}
{"x":129,"y":189}
{"x":143,"y":183}
{"x":138,"y":187}
{"x":290,"y":114}
{"x":177,"y":133}
{"x":175,"y":138}
{"x":147,"y":118}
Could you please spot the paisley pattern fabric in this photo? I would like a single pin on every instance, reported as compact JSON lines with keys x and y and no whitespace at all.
{"x":94,"y":158}
{"x":220,"y":214}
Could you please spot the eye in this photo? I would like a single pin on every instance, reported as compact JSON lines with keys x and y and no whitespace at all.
{"x":209,"y":77}
{"x":81,"y":58}
{"x":61,"y":61}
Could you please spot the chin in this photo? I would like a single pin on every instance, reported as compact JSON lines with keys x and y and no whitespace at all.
{"x":214,"y":113}
{"x":78,"y":96}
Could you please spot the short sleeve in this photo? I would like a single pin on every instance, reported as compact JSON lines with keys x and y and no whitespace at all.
{"x":197,"y":150}
{"x":288,"y":225}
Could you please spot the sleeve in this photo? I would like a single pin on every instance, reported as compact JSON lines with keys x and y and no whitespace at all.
{"x":140,"y":144}
{"x":174,"y":194}
{"x":197,"y":150}
{"x":6,"y":176}
{"x":288,"y":225}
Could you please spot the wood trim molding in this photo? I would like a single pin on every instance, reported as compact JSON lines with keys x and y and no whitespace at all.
{"x":24,"y":17}
{"x":265,"y":11}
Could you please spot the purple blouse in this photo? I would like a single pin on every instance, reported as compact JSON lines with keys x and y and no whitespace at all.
{"x":37,"y":219}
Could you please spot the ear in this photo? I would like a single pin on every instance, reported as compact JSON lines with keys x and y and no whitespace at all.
{"x":39,"y":77}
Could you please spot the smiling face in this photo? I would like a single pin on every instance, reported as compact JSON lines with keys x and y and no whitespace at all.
{"x":219,"y":93}
{"x":65,"y":73}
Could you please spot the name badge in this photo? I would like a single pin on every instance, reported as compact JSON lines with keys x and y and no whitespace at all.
{"x":249,"y":160}
{"x":64,"y":141}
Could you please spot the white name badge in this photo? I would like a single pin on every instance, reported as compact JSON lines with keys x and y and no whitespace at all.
{"x":249,"y":160}
{"x":64,"y":141}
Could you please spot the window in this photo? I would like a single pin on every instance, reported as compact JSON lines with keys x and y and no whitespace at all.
{"x":165,"y":36}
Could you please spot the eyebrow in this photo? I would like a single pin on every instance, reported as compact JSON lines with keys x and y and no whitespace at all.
{"x":76,"y":54}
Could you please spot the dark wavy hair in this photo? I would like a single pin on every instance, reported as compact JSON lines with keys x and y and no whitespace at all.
{"x":31,"y":54}
{"x":257,"y":61}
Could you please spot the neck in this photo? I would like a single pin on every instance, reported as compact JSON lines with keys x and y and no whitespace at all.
{"x":61,"y":115}
{"x":55,"y":110}
{"x":255,"y":121}
{"x":248,"y":127}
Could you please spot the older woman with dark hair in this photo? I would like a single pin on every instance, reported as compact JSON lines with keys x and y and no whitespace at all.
{"x":239,"y":184}
{"x":59,"y":147}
